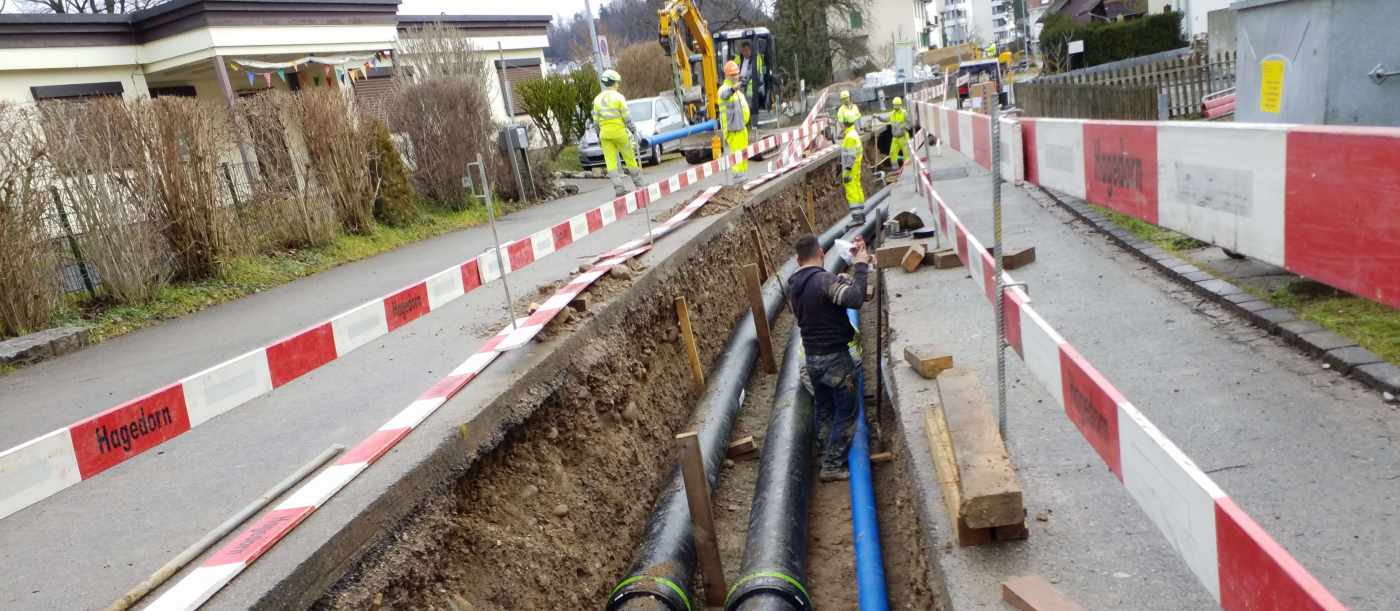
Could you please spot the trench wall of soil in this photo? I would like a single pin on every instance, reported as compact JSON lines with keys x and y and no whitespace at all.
{"x":546,"y":514}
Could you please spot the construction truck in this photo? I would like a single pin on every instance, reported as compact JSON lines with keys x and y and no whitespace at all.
{"x":697,"y":57}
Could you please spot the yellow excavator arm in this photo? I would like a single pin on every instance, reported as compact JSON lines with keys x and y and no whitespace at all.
{"x":683,"y":32}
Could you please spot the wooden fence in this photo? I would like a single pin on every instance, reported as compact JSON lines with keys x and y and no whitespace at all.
{"x":1067,"y":101}
{"x":1184,"y":80}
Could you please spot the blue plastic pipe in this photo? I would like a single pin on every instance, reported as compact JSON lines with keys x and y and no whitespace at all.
{"x":865,"y":526}
{"x":698,"y":128}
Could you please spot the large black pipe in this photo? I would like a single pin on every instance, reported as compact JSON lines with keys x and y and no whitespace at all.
{"x":772,"y":577}
{"x":660,"y":575}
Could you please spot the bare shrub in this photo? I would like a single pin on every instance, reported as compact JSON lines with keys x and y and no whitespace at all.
{"x":287,"y":206}
{"x":29,"y":291}
{"x":444,"y":111}
{"x":645,"y":69}
{"x":338,"y":155}
{"x":100,"y":174}
{"x":183,"y":140}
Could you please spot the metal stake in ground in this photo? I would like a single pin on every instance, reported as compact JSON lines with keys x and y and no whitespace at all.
{"x":994,"y":114}
{"x":510,"y":149}
{"x":485,"y":196}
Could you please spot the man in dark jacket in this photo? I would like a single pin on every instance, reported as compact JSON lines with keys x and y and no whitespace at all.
{"x":820,"y":299}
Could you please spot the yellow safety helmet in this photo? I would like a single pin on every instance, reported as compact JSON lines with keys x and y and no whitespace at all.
{"x":610,"y":78}
{"x":898,"y":102}
{"x":845,"y":95}
{"x":731,"y":68}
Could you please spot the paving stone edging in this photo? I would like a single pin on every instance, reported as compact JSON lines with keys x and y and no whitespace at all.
{"x":1339,"y":352}
{"x":46,"y":344}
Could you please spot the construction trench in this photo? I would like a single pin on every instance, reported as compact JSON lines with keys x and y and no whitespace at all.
{"x":557,"y":510}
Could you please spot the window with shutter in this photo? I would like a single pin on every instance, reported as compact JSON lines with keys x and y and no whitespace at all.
{"x":517,"y":73}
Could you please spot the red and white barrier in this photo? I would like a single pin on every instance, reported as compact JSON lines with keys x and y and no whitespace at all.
{"x":1238,"y":563}
{"x":1320,"y":201}
{"x":253,"y":541}
{"x":41,"y":467}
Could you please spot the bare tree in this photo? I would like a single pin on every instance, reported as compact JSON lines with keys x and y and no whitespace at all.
{"x":83,"y":6}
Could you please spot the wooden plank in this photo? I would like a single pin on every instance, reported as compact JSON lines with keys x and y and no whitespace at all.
{"x":944,"y":461}
{"x":765,"y":269}
{"x":927,"y":360}
{"x":697,"y":373}
{"x":1034,"y":593}
{"x":881,"y":457}
{"x":891,"y":256}
{"x":741,"y":447}
{"x":988,"y":491}
{"x":1015,"y":257}
{"x":760,"y":319}
{"x":702,"y":518}
{"x":946,"y":259}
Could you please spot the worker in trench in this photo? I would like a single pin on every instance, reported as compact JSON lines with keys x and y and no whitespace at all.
{"x":852,"y":154}
{"x":616,"y":133}
{"x":819,"y":300}
{"x":899,"y":135}
{"x":734,"y":120}
{"x":847,"y":114}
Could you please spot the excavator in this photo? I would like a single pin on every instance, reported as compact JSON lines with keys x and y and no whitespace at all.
{"x":697,"y":57}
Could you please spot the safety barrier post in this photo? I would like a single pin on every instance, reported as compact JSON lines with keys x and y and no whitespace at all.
{"x":491,"y":217}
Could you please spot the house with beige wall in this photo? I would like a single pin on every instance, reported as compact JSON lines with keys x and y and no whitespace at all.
{"x":228,"y":48}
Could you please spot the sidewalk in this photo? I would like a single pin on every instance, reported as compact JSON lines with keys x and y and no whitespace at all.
{"x":1308,"y":453}
{"x":55,"y":393}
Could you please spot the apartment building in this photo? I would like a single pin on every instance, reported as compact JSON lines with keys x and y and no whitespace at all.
{"x":981,"y":22}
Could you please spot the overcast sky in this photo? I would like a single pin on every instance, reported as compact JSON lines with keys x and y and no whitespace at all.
{"x":495,"y":7}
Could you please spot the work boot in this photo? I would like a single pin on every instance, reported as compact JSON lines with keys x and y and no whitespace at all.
{"x":636,"y":175}
{"x":833,"y":474}
{"x":619,"y":187}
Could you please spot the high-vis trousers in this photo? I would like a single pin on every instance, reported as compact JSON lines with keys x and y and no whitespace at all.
{"x":899,"y":150}
{"x":611,"y":148}
{"x":855,"y":199}
{"x":738,"y":141}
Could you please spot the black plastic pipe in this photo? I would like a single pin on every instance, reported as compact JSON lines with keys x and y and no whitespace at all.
{"x":665,"y":561}
{"x":772,"y":577}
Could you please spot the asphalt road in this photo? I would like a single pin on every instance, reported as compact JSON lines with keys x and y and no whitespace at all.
{"x":1309,"y":454}
{"x":85,"y":546}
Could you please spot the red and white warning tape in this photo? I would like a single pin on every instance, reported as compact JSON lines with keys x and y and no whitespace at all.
{"x":255,"y":540}
{"x":41,"y":467}
{"x":1240,"y":564}
{"x":1321,"y":201}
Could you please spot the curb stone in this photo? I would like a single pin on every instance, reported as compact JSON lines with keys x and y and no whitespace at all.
{"x":1338,"y":352}
{"x":43,"y":345}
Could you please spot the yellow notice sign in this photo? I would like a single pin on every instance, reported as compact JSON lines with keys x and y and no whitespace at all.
{"x":1271,"y":85}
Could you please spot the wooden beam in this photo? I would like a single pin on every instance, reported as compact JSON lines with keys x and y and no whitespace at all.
{"x":697,"y":373}
{"x":989,"y":494}
{"x":912,"y":259}
{"x":760,"y":319}
{"x":946,"y":259}
{"x":765,"y":269}
{"x":1034,"y":593}
{"x":702,"y":519}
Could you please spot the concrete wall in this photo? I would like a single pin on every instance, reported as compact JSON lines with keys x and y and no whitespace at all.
{"x":1220,"y":31}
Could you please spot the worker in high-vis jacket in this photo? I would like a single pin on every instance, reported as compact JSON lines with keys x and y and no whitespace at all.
{"x":616,"y":132}
{"x":734,"y":120}
{"x":847,"y":114}
{"x":751,"y":69}
{"x":899,"y":135}
{"x":852,"y":151}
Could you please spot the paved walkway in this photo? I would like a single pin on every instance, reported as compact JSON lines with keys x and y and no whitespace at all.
{"x":1311,"y":455}
{"x":85,"y":546}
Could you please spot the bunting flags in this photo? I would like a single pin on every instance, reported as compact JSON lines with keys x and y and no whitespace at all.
{"x":267,"y":77}
{"x":250,"y":78}
{"x":282,"y":74}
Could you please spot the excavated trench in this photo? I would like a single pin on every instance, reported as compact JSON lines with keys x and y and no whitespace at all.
{"x":550,"y":516}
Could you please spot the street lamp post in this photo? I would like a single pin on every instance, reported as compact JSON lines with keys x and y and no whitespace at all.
{"x":593,"y":38}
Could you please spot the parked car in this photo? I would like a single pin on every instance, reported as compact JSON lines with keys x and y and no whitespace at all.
{"x":656,"y":115}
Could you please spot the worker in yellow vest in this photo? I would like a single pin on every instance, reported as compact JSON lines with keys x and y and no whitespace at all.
{"x":616,"y":133}
{"x":734,"y":120}
{"x":751,"y":68}
{"x":847,"y":114}
{"x":852,"y":152}
{"x":899,"y":135}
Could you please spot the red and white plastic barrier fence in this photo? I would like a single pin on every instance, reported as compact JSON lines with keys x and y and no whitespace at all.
{"x":1320,"y":201}
{"x":256,"y":539}
{"x":41,"y":467}
{"x":1238,"y":563}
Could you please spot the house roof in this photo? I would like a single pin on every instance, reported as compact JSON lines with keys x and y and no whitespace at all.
{"x":78,"y":30}
{"x":1078,"y":10}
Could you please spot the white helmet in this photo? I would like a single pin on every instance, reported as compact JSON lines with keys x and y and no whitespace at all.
{"x":610,"y":78}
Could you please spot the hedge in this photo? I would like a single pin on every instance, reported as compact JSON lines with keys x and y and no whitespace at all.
{"x":1110,"y":42}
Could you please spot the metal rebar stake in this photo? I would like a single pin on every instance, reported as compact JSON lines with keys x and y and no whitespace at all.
{"x":928,"y":173}
{"x":994,"y":113}
{"x":491,"y":217}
